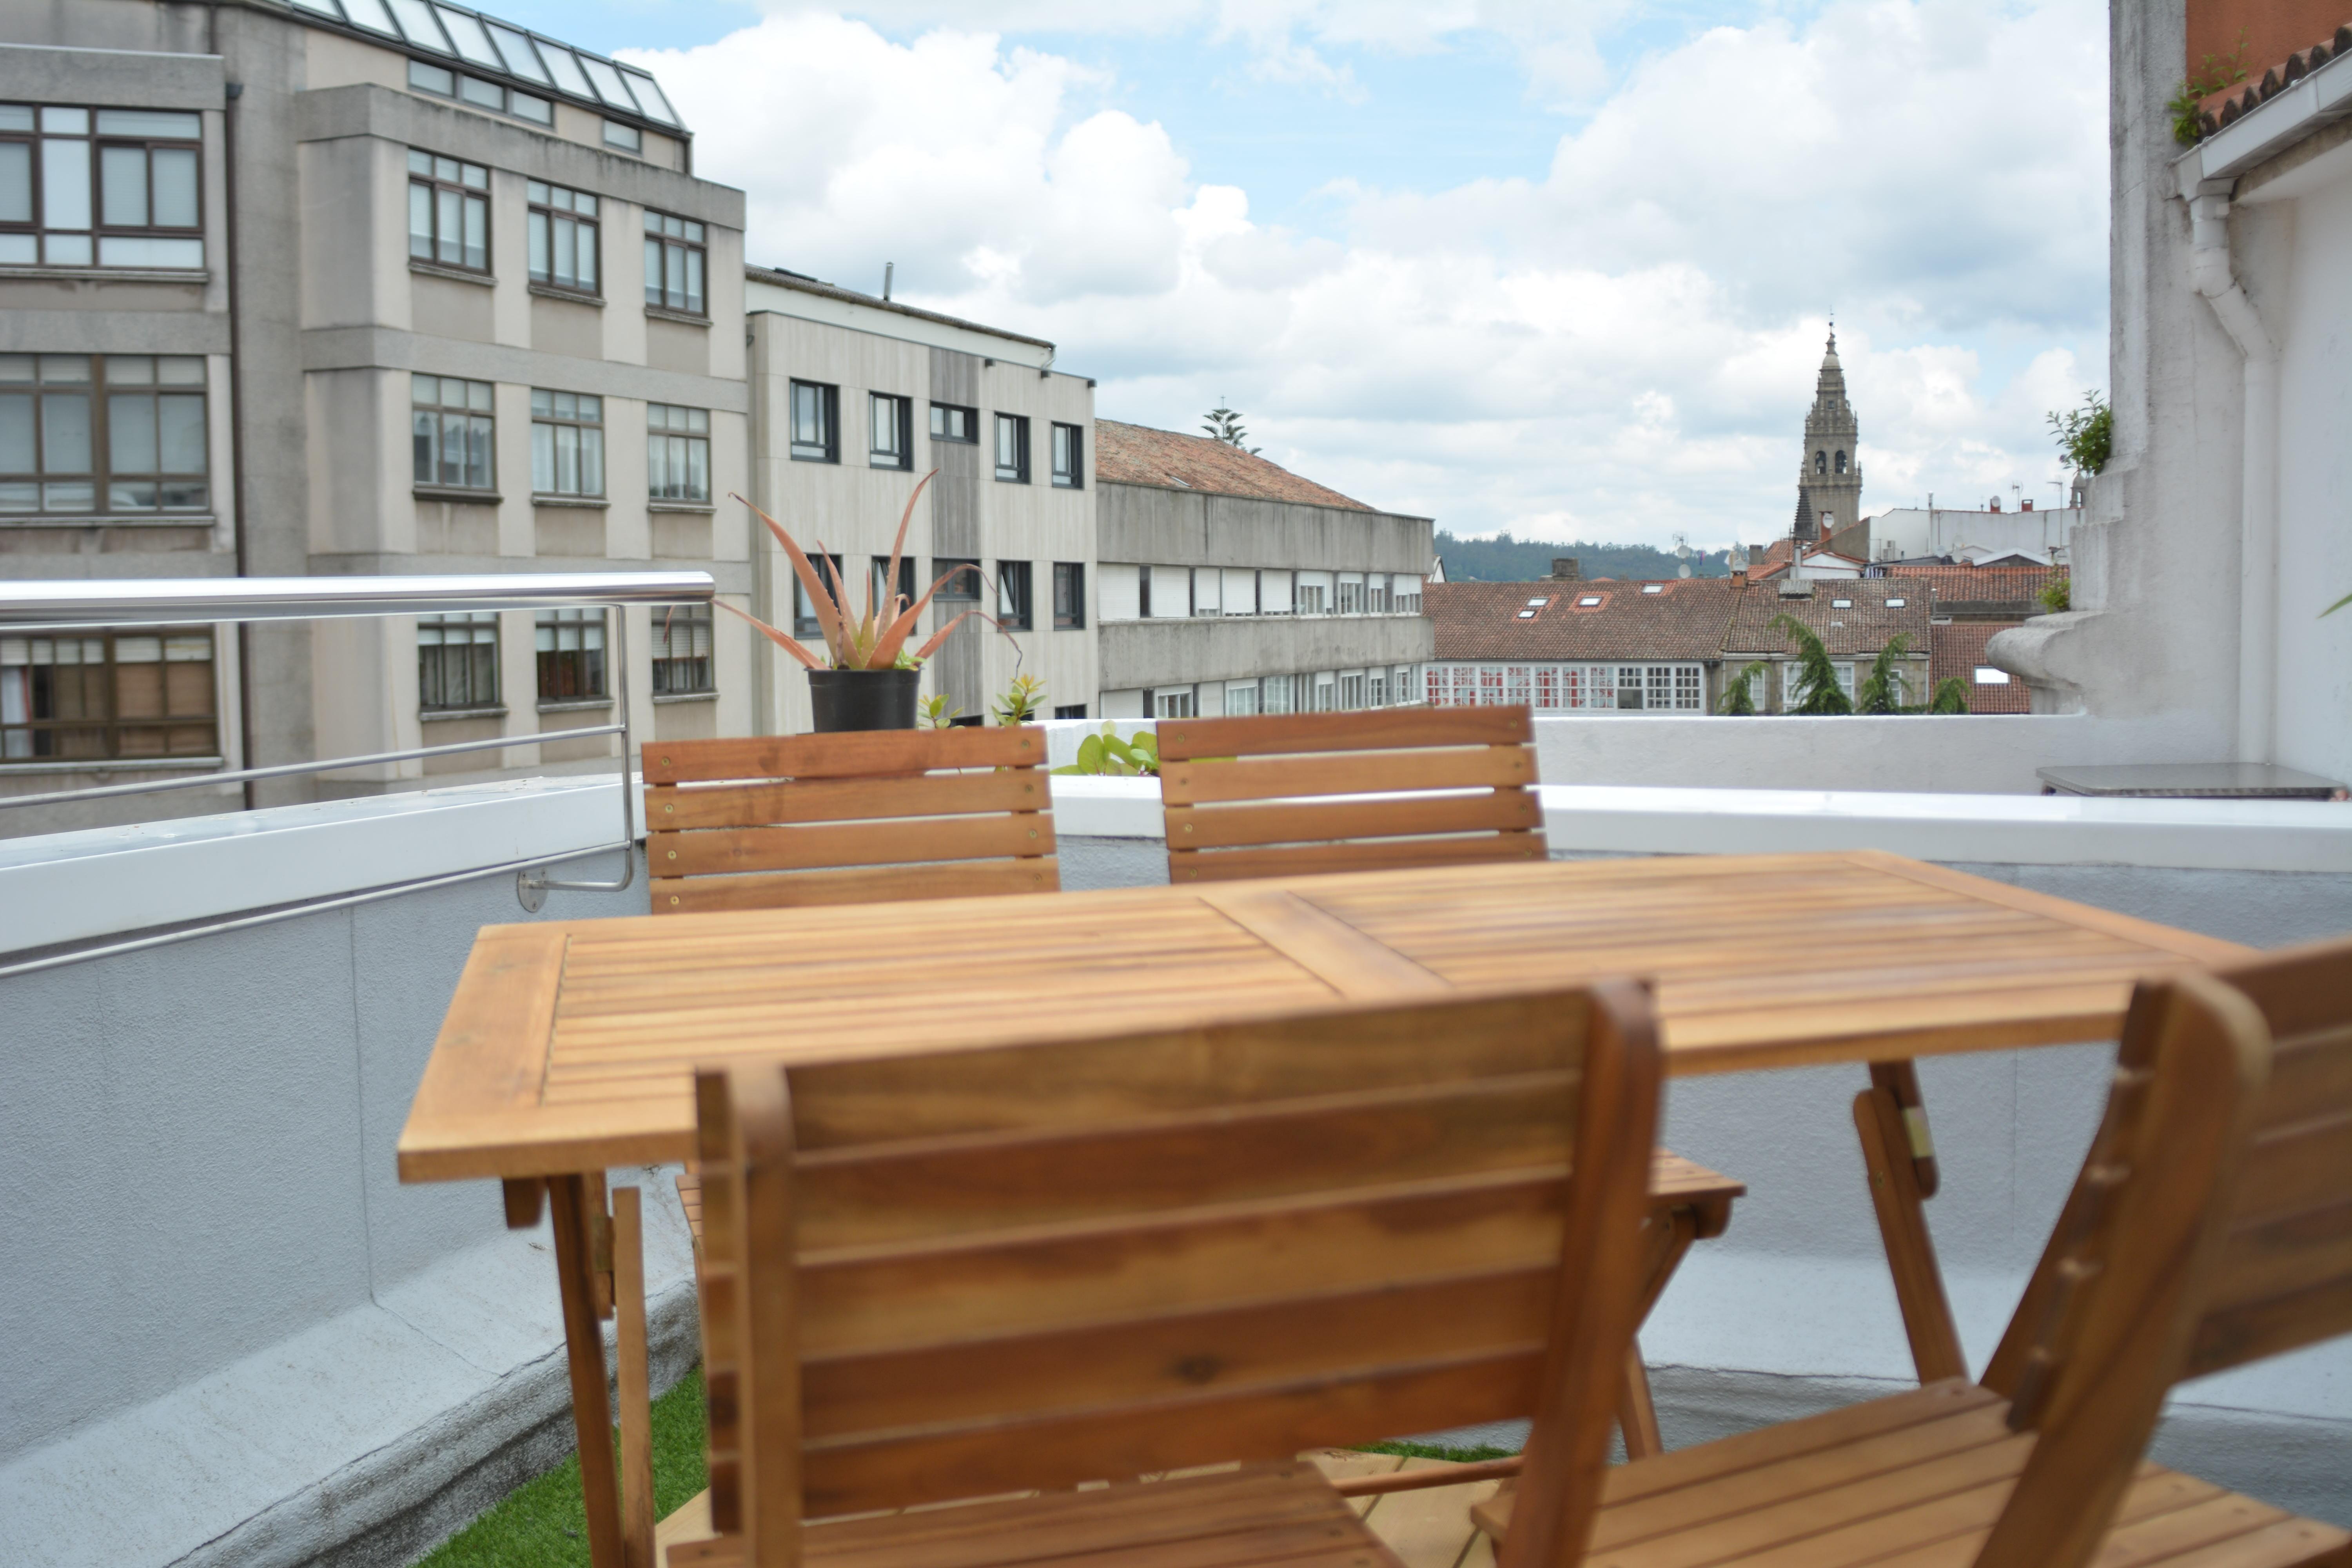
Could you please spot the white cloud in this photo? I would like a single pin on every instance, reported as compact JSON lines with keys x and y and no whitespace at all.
{"x":1623,"y":347}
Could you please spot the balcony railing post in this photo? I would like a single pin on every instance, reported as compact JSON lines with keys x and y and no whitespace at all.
{"x":533,"y":885}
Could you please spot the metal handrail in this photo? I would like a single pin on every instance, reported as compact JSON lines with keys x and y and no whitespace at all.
{"x":86,"y":605}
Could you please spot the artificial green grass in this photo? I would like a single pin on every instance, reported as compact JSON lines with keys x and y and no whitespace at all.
{"x":541,"y":1523}
{"x":1432,"y":1451}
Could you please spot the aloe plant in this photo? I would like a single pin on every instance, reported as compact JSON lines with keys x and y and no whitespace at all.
{"x":875,"y":640}
{"x":1109,"y":755}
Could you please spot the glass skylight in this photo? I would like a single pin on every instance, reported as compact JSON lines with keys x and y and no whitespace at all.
{"x":521,"y":58}
{"x":566,"y":68}
{"x":609,"y":85}
{"x":1588,"y":602}
{"x":1654,"y":587}
{"x":649,"y":96}
{"x":466,"y":32}
{"x":370,"y":14}
{"x":1538,"y":604}
{"x":417,"y":24}
{"x":1841,"y":604}
{"x":1896,"y":602}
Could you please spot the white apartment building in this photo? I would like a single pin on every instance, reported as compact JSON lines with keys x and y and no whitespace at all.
{"x":1229,"y":585}
{"x":353,"y":287}
{"x":855,"y":399}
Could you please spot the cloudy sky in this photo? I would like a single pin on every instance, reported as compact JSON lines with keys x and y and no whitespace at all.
{"x":1559,"y":267}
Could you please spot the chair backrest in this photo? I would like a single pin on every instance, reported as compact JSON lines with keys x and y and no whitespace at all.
{"x":965,"y":1273}
{"x":2211,"y":1226}
{"x":1249,"y":797}
{"x":776,"y":820}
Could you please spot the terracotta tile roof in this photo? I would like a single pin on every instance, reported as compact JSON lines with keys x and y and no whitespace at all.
{"x":1684,"y":620}
{"x":2228,"y":107}
{"x":1139,"y":455}
{"x":2022,"y":584}
{"x":1958,"y":649}
{"x":1861,"y":626}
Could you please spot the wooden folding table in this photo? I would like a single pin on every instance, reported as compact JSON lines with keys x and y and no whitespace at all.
{"x":570,"y":1045}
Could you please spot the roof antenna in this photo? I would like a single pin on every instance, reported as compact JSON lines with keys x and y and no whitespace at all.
{"x":888,"y":268}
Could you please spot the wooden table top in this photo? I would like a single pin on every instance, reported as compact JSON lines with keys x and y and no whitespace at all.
{"x":570,"y":1044}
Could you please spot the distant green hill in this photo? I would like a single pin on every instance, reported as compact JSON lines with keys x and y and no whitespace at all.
{"x":1503,"y":559}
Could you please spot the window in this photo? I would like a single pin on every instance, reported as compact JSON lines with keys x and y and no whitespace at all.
{"x":1174,"y":703}
{"x":457,"y":661}
{"x":448,"y":211}
{"x":891,"y":444}
{"x":1821,"y":462}
{"x":627,"y":138}
{"x":1400,"y":685}
{"x":110,"y":187}
{"x":1897,"y":602}
{"x":563,"y":240}
{"x":147,"y":693}
{"x":1013,"y":448}
{"x":102,"y":433}
{"x":1840,"y":462}
{"x":1014,"y":602}
{"x":567,"y":443}
{"x":1206,"y":599}
{"x":949,"y":422}
{"x":963,"y":586}
{"x":678,"y":454}
{"x":445,"y":83}
{"x":1841,"y":604}
{"x":452,"y":427}
{"x":682,"y":651}
{"x":1404,"y":595}
{"x":1069,"y":456}
{"x":570,"y":656}
{"x":1311,"y":598}
{"x":1241,"y":698}
{"x":1326,"y":697}
{"x":1351,"y":593}
{"x":1376,"y":594}
{"x":883,"y":593}
{"x":1654,"y":587}
{"x":805,"y":621}
{"x":1069,"y":596}
{"x":1518,"y":689}
{"x":1273,"y":694}
{"x":1070,"y":711}
{"x":1378,"y":688}
{"x":816,"y":415}
{"x":1588,"y":602}
{"x":1989,"y":676}
{"x":674,"y":263}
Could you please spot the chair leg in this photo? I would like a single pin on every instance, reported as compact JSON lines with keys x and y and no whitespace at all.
{"x":634,"y":1387}
{"x":1637,"y":1415}
{"x":584,"y":1343}
{"x":1900,"y":1162}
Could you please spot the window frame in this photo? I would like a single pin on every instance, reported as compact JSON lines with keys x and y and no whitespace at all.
{"x":555,"y":421}
{"x":699,"y":624}
{"x":828,"y":407}
{"x":1070,"y":475}
{"x":1069,"y":589}
{"x":594,"y":675}
{"x":93,"y":233}
{"x":1016,"y":596}
{"x":1017,"y":471}
{"x":435,"y":183}
{"x":691,"y":239}
{"x":695,"y":434}
{"x":100,"y":391}
{"x":804,"y":619}
{"x":953,"y":591}
{"x":970,"y":424}
{"x":902,"y":418}
{"x":20,"y":732}
{"x":473,"y":622}
{"x":487,"y":415}
{"x":539,"y":208}
{"x":461,"y":81}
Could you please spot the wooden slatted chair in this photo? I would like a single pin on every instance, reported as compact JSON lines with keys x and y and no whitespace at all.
{"x":778,"y":821}
{"x":978,"y":1273}
{"x":2211,"y":1226}
{"x":1250,"y":798}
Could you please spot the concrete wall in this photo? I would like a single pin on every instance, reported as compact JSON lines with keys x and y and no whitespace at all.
{"x":1162,"y":652}
{"x":1188,"y":528}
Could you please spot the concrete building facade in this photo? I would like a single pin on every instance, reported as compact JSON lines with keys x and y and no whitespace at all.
{"x":2214,"y":541}
{"x":351,"y":289}
{"x":1229,"y":585}
{"x":856,"y":399}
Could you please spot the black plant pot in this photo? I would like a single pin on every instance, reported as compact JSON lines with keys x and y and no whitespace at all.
{"x":863,"y":699}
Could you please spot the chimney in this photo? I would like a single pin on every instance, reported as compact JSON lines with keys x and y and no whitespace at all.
{"x":1995,"y":504}
{"x":2026,"y":505}
{"x":1740,"y":576}
{"x":1564,"y":569}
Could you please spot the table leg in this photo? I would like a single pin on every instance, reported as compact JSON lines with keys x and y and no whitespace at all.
{"x":591,"y":1410}
{"x":635,"y":1385}
{"x":1900,"y":1159}
{"x":1637,"y":1414}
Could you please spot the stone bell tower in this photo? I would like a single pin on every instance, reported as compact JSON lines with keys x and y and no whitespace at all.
{"x":1828,"y":474}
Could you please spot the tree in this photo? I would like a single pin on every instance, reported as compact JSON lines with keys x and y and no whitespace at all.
{"x":1882,"y":690}
{"x":1817,"y":691}
{"x":1740,"y":697}
{"x":1951,"y":696}
{"x":1226,"y":426}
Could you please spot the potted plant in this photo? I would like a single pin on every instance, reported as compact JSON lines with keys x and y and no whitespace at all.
{"x":866,"y":677}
